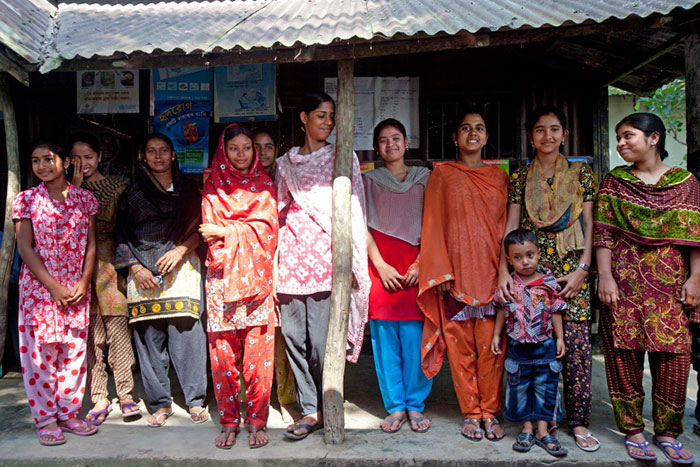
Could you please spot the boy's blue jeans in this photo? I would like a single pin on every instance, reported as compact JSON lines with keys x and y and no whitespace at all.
{"x":533,"y":378}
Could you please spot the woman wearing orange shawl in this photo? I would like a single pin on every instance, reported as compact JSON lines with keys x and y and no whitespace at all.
{"x":464,"y":216}
{"x":239,"y":215}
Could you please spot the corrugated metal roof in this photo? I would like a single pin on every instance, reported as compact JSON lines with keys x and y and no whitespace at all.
{"x":25,"y":25}
{"x":88,"y":30}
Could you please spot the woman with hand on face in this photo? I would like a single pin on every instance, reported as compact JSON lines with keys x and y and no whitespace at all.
{"x":239,"y":215}
{"x":55,"y":224}
{"x":156,"y":238}
{"x":109,"y":326}
{"x":394,"y":195}
{"x":305,"y":192}
{"x":266,"y":149}
{"x":647,"y":239}
{"x":464,"y":215}
{"x":554,"y":198}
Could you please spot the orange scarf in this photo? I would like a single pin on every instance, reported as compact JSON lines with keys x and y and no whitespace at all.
{"x":245,"y":205}
{"x":464,"y":216}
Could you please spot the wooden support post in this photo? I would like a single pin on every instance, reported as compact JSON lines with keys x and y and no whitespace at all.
{"x":334,"y":361}
{"x":692,"y":99}
{"x":7,"y":250}
{"x":601,"y":134}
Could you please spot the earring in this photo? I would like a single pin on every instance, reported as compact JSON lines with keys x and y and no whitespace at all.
{"x":653,"y":144}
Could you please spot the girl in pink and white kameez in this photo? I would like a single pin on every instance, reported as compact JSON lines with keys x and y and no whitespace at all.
{"x":55,"y":223}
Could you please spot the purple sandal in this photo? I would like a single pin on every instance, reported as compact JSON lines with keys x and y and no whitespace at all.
{"x":56,"y":436}
{"x":95,"y":416}
{"x":644,"y":446}
{"x":677,"y":446}
{"x":70,"y":427}
{"x":130,"y":413}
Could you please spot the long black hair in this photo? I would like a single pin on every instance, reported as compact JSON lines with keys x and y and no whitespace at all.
{"x":648,"y":123}
{"x":313,"y":100}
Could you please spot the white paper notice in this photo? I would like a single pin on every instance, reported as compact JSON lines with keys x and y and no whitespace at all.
{"x":379,"y":98}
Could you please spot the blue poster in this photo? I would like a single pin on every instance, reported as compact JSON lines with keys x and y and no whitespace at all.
{"x":182,"y":108}
{"x":245,"y":92}
{"x":187,"y":125}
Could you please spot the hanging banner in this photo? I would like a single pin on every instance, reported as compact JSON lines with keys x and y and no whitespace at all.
{"x":108,"y":92}
{"x":182,"y":108}
{"x":1,"y":112}
{"x":245,"y":92}
{"x":379,"y":98}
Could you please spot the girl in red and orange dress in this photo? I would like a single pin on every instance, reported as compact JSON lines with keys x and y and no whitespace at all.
{"x":239,"y":215}
{"x":55,"y":224}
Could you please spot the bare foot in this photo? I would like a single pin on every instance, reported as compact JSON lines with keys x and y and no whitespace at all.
{"x":639,"y":438}
{"x":101,"y":405}
{"x":472,"y":429}
{"x":685,"y":454}
{"x":257,"y":437}
{"x":392,"y":423}
{"x":418,"y":421}
{"x":289,"y":413}
{"x":227,"y":438}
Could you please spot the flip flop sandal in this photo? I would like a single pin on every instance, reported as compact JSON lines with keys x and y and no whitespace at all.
{"x":556,"y":451}
{"x":418,"y":420}
{"x":644,"y":446}
{"x":473,"y":421}
{"x":309,"y":429}
{"x":198,"y":413}
{"x":158,"y":423}
{"x":71,"y":426}
{"x":96,"y":414}
{"x":56,"y":435}
{"x":401,"y":419}
{"x":519,"y":444}
{"x":229,"y":446}
{"x":131,"y":413}
{"x":256,"y":446}
{"x":489,"y":431}
{"x":585,"y":437}
{"x":677,"y":446}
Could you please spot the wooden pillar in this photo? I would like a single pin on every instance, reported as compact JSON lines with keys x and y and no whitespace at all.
{"x":334,"y":362}
{"x":601,"y":133}
{"x":692,"y":99}
{"x":7,"y":250}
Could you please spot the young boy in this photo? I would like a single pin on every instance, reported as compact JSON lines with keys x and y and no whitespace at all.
{"x":532,"y":353}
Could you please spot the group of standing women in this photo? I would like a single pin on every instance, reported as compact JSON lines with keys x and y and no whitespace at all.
{"x":111,"y":263}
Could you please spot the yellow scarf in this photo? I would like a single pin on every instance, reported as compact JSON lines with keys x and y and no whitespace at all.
{"x":548,"y":207}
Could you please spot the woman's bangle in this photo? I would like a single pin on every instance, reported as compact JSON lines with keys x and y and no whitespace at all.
{"x":139,"y":270}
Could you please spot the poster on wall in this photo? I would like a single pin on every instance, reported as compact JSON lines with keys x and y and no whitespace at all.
{"x":379,"y":98}
{"x":181,"y":110}
{"x":245,"y":93}
{"x":108,"y":92}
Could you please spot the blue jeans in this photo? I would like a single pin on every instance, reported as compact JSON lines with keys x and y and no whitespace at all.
{"x":533,"y":378}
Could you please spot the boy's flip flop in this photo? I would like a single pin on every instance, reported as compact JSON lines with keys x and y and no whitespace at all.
{"x":677,"y":446}
{"x":556,"y":451}
{"x":519,"y":444}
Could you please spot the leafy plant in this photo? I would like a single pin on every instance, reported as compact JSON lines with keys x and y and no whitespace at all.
{"x":668,"y":102}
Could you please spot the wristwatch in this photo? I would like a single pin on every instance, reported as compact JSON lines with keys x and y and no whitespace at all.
{"x":583,"y":266}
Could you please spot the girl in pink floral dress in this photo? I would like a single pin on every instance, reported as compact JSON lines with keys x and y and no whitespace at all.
{"x":55,"y":224}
